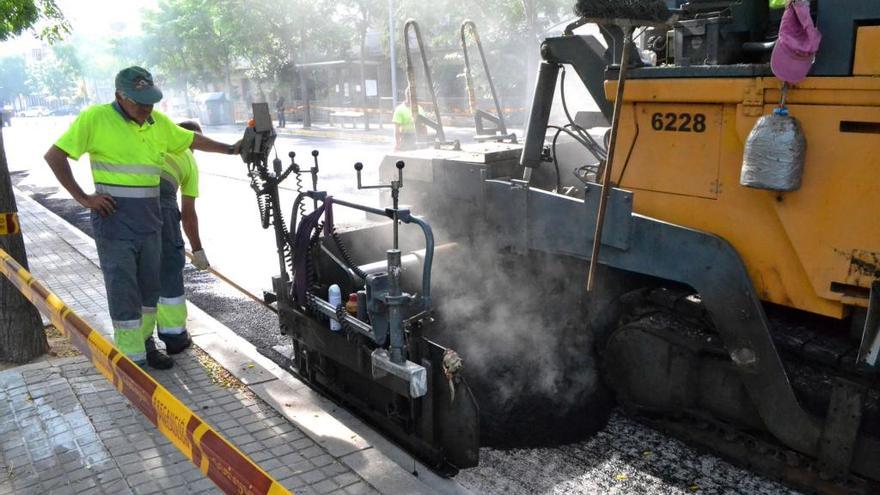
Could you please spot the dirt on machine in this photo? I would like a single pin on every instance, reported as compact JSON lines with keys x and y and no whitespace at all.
{"x":516,"y":289}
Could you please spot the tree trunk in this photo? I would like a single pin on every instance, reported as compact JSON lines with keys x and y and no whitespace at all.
{"x":261,"y":92}
{"x":303,"y":80}
{"x":21,"y":330}
{"x":189,"y":112}
{"x":228,"y":76}
{"x":304,"y":90}
{"x":85,"y":88}
{"x":363,"y":33}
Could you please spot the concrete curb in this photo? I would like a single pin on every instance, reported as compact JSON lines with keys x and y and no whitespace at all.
{"x":379,"y":462}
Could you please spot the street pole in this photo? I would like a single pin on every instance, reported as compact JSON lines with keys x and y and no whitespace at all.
{"x":393,"y":42}
{"x":21,"y":329}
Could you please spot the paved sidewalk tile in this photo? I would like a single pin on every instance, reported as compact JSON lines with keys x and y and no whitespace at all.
{"x":64,"y":429}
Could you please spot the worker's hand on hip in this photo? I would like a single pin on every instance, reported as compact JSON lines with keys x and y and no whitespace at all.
{"x":103,"y":204}
{"x":200,"y":260}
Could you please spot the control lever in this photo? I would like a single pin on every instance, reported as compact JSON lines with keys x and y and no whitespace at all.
{"x":314,"y":172}
{"x":295,"y":167}
{"x":395,"y":186}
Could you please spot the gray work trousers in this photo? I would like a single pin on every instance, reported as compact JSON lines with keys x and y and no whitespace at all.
{"x":131,"y":276}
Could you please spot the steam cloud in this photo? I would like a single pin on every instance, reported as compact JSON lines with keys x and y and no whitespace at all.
{"x":518,"y":323}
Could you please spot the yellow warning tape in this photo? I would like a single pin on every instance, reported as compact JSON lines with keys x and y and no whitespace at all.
{"x":230,"y":469}
{"x":9,"y":224}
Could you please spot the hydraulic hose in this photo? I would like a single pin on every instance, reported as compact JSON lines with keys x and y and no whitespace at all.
{"x":429,"y":258}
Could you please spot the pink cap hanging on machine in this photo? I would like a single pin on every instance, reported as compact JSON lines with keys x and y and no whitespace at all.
{"x":797,"y":45}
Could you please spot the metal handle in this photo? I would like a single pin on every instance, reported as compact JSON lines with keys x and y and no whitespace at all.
{"x":313,"y":171}
{"x":420,"y":120}
{"x":466,"y":26}
{"x":395,"y":187}
{"x":395,"y":184}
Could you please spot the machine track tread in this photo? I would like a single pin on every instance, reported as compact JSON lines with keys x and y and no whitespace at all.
{"x":756,"y":452}
{"x":814,"y":359}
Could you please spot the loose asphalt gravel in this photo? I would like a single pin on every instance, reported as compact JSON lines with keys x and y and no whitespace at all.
{"x":624,"y":458}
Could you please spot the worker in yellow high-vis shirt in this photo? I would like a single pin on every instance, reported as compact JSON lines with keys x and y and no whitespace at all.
{"x":181,"y":172}
{"x":405,"y":125}
{"x":127,"y":142}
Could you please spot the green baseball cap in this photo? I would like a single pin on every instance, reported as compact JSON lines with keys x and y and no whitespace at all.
{"x":137,"y":83}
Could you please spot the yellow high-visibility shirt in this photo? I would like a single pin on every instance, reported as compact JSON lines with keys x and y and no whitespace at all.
{"x":180,"y":171}
{"x":403,"y":117}
{"x":126,"y":160}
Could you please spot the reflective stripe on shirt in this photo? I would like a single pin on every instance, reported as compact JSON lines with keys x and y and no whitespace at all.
{"x":128,"y":191}
{"x":175,"y":169}
{"x":125,"y":174}
{"x":170,"y":179}
{"x":174,"y":172}
{"x":179,"y":173}
{"x":127,"y":169}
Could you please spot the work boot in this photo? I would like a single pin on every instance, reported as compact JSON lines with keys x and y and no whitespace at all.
{"x":156,"y":358}
{"x":175,"y":344}
{"x":177,"y":348}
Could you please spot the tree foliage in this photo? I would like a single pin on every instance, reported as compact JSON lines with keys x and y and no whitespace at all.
{"x":199,"y":41}
{"x":17,"y":16}
{"x":13,"y":74}
{"x":59,"y":74}
{"x":196,"y":42}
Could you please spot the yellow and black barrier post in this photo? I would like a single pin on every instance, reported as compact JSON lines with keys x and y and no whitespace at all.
{"x":230,"y":469}
{"x":9,"y":224}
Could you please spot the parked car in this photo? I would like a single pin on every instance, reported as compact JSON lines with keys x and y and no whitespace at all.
{"x":35,"y":111}
{"x":67,"y":110}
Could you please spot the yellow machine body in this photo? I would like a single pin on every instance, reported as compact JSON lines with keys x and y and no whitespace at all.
{"x":817,"y":249}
